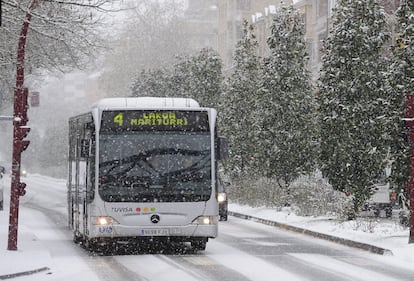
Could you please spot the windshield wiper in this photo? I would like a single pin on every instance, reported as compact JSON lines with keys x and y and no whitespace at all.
{"x":192,"y":171}
{"x":141,"y":160}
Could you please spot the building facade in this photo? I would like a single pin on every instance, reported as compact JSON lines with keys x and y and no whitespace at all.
{"x":202,"y":20}
{"x":224,"y":27}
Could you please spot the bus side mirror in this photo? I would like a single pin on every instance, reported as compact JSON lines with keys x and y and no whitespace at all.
{"x":223,"y":148}
{"x":85,"y":148}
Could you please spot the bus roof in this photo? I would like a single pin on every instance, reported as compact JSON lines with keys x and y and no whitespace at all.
{"x":145,"y":102}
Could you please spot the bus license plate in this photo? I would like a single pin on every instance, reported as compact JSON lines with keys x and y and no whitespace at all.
{"x":155,"y":232}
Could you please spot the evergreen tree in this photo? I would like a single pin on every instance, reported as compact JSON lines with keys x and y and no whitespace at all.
{"x":62,"y":36}
{"x":401,"y":82}
{"x":198,"y":77}
{"x":153,"y":83}
{"x":54,"y":145}
{"x":287,"y":117}
{"x":239,"y":104}
{"x":181,"y":77}
{"x":206,"y":77}
{"x":353,"y":101}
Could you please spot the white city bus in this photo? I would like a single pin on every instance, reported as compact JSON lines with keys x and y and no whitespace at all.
{"x":144,"y":169}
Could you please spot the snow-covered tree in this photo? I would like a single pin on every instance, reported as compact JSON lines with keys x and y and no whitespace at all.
{"x":401,"y":78}
{"x":206,"y":77}
{"x":353,"y":100}
{"x":153,"y":83}
{"x":153,"y":35}
{"x":181,"y":77}
{"x":198,"y":76}
{"x":53,"y":159}
{"x":287,"y":104}
{"x":238,"y":104}
{"x":62,"y":34}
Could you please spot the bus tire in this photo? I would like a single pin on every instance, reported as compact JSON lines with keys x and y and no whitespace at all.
{"x":199,"y":244}
{"x":223,"y":218}
{"x":90,"y":245}
{"x":77,"y":238}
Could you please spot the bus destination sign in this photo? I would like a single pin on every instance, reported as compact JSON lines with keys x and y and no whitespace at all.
{"x":154,"y":120}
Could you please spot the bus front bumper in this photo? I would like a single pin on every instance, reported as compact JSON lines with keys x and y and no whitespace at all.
{"x":112,"y":231}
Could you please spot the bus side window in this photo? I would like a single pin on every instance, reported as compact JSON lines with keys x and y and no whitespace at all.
{"x":85,"y":148}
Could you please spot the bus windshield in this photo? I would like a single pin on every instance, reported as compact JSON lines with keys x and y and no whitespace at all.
{"x":155,"y":167}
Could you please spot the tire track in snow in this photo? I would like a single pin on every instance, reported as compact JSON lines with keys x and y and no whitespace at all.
{"x":107,"y":268}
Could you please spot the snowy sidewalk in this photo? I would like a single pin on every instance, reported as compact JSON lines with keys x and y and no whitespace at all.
{"x":380,"y":236}
{"x":42,"y":252}
{"x":332,"y":238}
{"x":31,"y":256}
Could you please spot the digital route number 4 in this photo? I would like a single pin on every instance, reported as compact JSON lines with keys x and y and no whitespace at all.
{"x":119,"y":118}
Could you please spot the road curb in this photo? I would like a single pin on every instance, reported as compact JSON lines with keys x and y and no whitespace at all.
{"x":338,"y":240}
{"x":24,"y":273}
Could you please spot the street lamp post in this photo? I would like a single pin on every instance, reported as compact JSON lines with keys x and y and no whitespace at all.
{"x":19,"y":131}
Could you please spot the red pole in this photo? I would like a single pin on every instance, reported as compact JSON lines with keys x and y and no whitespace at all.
{"x":410,"y":187}
{"x":409,"y":115}
{"x":20,"y":119}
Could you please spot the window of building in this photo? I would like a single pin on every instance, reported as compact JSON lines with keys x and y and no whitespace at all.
{"x":243,"y":5}
{"x":239,"y":30}
{"x":391,"y":6}
{"x":322,"y":8}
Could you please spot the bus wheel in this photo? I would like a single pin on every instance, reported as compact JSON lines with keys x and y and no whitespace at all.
{"x":77,"y":238}
{"x":223,"y":218}
{"x":199,"y":244}
{"x":90,"y":245}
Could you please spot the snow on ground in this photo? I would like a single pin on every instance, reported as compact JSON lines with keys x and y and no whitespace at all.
{"x":33,"y":233}
{"x":387,"y":234}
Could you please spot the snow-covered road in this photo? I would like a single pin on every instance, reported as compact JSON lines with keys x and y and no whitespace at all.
{"x":244,"y":250}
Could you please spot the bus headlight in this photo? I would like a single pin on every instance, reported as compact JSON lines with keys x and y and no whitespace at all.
{"x":221,"y":197}
{"x":205,"y":220}
{"x":104,"y":220}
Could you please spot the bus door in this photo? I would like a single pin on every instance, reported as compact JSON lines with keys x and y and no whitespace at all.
{"x":82,"y":196}
{"x":87,"y":179}
{"x":71,"y":194}
{"x":80,"y":136}
{"x":75,"y":200}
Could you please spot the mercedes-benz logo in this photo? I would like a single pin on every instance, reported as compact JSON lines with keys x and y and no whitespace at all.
{"x":155,"y":218}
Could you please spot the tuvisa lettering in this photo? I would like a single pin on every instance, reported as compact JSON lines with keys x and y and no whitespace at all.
{"x":122,"y":210}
